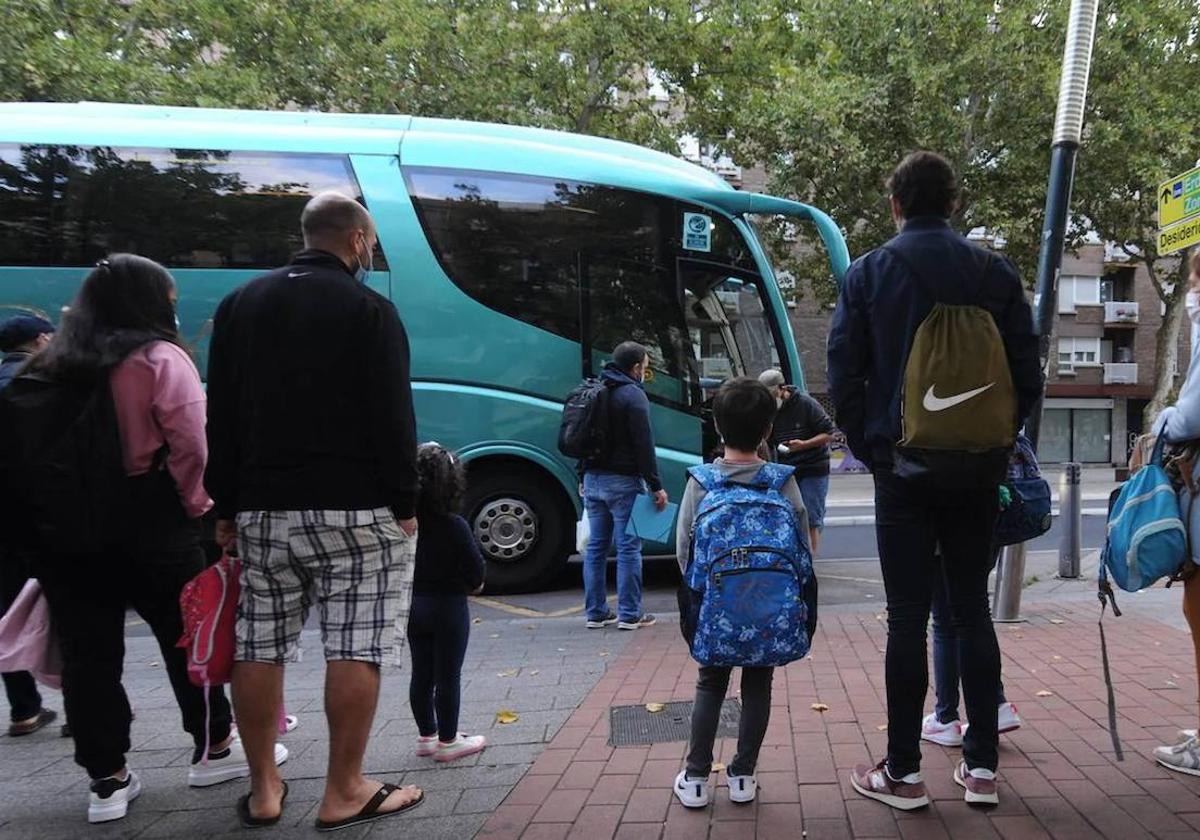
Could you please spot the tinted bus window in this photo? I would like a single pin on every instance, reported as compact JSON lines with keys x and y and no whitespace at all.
{"x":520,"y":244}
{"x":71,"y":205}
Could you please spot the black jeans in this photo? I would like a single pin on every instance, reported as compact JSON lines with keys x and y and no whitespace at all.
{"x":711,"y":687}
{"x":910,"y":523}
{"x":88,"y":598}
{"x":439,"y":627}
{"x":23,"y":699}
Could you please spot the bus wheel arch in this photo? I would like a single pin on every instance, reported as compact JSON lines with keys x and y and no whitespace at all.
{"x":523,"y":520}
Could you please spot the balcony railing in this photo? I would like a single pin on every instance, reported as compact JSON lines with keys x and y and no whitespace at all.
{"x":1118,"y":312}
{"x":1116,"y":373}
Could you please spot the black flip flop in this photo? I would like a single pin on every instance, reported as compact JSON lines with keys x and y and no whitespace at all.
{"x":251,"y":821}
{"x":370,"y":812}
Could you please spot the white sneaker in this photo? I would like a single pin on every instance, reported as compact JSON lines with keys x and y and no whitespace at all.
{"x":1182,"y":756}
{"x":1007,"y":718}
{"x":290,"y":722}
{"x":947,"y":734}
{"x":109,"y":798}
{"x":742,"y":789}
{"x":426,"y":745}
{"x":461,"y":746}
{"x":227,"y":765}
{"x":693,"y":793}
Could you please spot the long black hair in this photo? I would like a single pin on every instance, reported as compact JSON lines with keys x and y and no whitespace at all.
{"x":443,"y":480}
{"x":124,"y":302}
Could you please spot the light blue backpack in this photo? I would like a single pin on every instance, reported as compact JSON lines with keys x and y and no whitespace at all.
{"x":749,"y":596}
{"x":1147,"y":538}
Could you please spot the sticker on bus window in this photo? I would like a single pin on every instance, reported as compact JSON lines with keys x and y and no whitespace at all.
{"x":697,"y":232}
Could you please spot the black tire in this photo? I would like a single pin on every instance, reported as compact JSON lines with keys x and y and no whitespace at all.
{"x":518,"y":560}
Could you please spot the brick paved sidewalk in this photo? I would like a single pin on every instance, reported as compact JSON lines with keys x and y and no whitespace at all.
{"x":1059,"y":777}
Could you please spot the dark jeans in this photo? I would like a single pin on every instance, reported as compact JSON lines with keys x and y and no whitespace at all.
{"x":23,"y":698}
{"x":945,"y":653}
{"x":438,"y":629}
{"x":711,"y":687}
{"x":88,"y":598}
{"x":910,"y":523}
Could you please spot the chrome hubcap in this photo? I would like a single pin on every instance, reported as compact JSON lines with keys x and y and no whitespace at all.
{"x":506,"y":529}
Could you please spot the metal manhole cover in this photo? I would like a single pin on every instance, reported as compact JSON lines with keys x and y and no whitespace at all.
{"x":632,"y":725}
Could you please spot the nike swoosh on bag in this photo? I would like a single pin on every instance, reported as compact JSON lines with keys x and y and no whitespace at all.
{"x":932,"y":402}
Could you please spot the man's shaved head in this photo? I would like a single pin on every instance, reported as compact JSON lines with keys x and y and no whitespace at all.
{"x":330,"y":217}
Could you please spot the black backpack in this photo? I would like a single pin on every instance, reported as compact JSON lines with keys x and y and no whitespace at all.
{"x":62,"y":466}
{"x":584,"y":432}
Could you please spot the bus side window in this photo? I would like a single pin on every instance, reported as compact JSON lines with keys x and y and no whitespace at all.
{"x":72,"y":205}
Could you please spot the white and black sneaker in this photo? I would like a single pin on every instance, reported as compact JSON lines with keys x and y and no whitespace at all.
{"x":225,"y":766}
{"x":645,"y":620}
{"x":610,"y":618}
{"x":742,"y":789}
{"x":693,"y":793}
{"x":1183,"y":756}
{"x":110,"y":797}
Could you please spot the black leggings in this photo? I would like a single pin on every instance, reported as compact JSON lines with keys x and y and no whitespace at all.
{"x":438,"y":629}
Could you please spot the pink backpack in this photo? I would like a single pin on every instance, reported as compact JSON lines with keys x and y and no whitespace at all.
{"x":209,"y":605}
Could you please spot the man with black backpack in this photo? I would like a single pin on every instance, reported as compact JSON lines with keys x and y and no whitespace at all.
{"x":933,"y":367}
{"x":620,"y":465}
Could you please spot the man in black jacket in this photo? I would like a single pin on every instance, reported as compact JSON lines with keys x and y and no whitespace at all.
{"x":885,"y":297}
{"x":611,"y":484}
{"x":800,"y":438}
{"x":312,"y":444}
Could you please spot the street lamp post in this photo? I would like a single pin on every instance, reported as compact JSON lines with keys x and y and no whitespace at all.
{"x":1068,"y":131}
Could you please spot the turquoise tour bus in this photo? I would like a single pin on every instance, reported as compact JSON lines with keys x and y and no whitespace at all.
{"x":518,"y":258}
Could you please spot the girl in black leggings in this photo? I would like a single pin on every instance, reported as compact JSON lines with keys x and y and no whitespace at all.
{"x":449,"y":567}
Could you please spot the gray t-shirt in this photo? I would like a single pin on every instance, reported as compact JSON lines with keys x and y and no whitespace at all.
{"x":693,"y":493}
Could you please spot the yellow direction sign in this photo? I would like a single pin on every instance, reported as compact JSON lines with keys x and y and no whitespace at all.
{"x":1179,"y":198}
{"x":1180,"y":236}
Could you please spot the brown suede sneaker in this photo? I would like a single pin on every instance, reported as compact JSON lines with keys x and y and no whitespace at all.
{"x":979,"y":783}
{"x":875,"y":783}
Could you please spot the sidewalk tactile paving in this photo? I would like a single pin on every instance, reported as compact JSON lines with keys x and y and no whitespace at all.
{"x":1059,"y":777}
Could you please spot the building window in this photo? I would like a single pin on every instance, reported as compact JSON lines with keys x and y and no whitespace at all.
{"x":1075,"y":291}
{"x":1078,"y":352}
{"x":72,"y":205}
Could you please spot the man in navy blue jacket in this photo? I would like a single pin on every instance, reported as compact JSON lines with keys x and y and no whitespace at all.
{"x":885,"y":297}
{"x":611,"y":484}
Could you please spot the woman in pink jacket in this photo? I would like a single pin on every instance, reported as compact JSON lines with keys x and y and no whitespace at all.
{"x":122,"y":328}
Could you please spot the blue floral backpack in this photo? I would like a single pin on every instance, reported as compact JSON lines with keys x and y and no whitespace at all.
{"x":749,"y":595}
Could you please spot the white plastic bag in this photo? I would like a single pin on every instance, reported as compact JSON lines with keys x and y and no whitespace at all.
{"x":583,"y":533}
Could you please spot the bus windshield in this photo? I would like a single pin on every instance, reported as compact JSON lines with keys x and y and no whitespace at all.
{"x":729,"y":324}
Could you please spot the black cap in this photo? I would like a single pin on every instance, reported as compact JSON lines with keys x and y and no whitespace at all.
{"x":22,"y":329}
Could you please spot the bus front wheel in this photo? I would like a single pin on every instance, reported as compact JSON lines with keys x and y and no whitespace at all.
{"x":522,"y":522}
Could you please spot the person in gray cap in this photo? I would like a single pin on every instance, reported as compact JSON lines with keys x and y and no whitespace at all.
{"x":21,"y":338}
{"x":800,"y":439}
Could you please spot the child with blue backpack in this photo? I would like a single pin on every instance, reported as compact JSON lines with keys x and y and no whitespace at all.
{"x":748,"y":596}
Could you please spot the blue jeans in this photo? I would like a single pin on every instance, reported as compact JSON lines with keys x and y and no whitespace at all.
{"x":608,"y":499}
{"x":814,"y":489}
{"x":945,"y":654}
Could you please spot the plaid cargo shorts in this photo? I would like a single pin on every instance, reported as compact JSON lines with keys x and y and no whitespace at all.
{"x":356,"y":565}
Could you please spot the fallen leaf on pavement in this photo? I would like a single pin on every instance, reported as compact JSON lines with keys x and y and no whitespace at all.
{"x":1045,"y":693}
{"x":477,"y":621}
{"x":718,"y":767}
{"x":511,"y":672}
{"x":1057,"y":658}
{"x":604,"y":653}
{"x":1057,"y":621}
{"x":534,"y":672}
{"x":506,"y":716}
{"x":654,"y":708}
{"x":494,"y":636}
{"x":819,"y":707}
{"x":882,"y":727}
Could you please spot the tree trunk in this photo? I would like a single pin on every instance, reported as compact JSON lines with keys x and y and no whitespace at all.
{"x":1167,"y":348}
